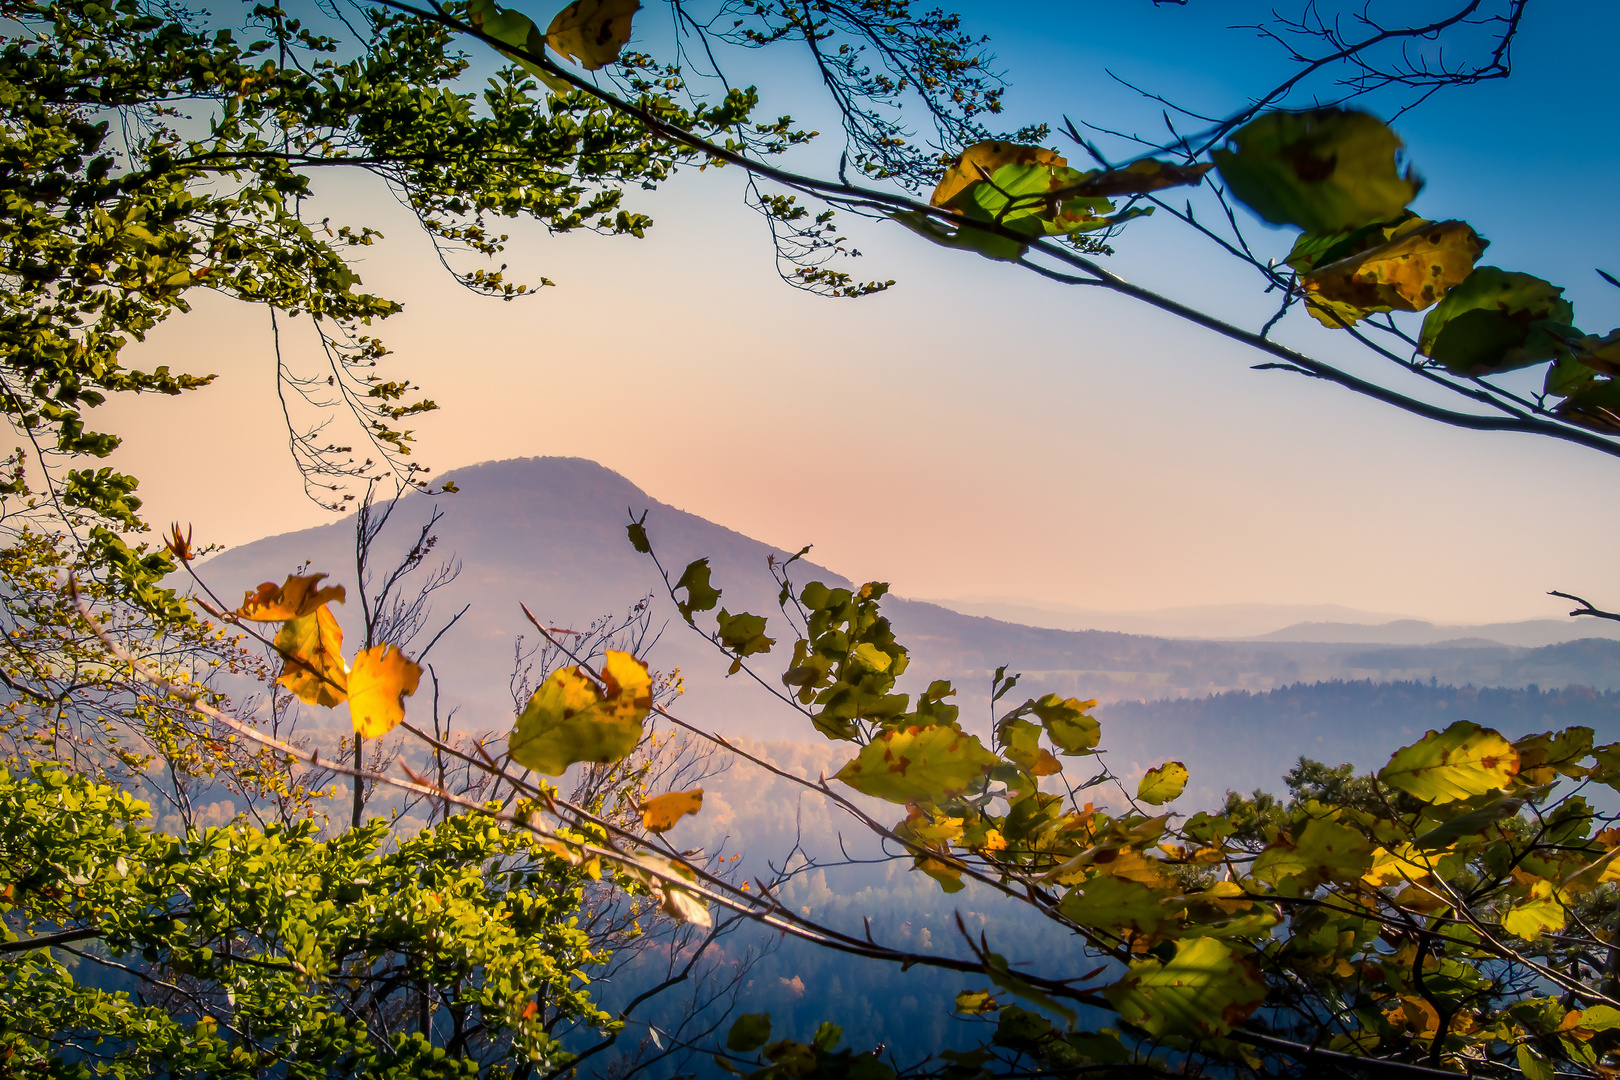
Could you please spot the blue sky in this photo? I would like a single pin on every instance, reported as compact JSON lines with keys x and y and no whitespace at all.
{"x":976,"y":431}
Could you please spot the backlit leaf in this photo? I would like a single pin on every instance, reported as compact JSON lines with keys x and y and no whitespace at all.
{"x":297,"y":597}
{"x":1162,"y":783}
{"x":662,"y":811}
{"x":1412,"y":270}
{"x":1537,"y":913}
{"x":976,"y":1002}
{"x":981,"y":160}
{"x":1497,"y":320}
{"x":380,"y":681}
{"x":570,"y":719}
{"x":744,"y":635}
{"x":918,"y":763}
{"x":1139,"y":178}
{"x":311,"y":648}
{"x":1115,"y":903}
{"x":592,"y":32}
{"x":1463,"y":761}
{"x":749,"y":1032}
{"x":519,"y":31}
{"x":949,"y":875}
{"x":1067,"y":723}
{"x":665,"y":887}
{"x":1205,"y":989}
{"x":700,"y":595}
{"x":1324,"y":170}
{"x":1323,"y":852}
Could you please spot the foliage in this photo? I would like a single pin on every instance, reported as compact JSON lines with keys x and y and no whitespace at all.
{"x":451,"y":952}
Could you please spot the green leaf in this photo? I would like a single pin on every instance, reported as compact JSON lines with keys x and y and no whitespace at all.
{"x":570,"y":719}
{"x":1114,"y":904}
{"x":1324,"y":852}
{"x":1162,"y":783}
{"x":1463,"y":761}
{"x":637,"y":531}
{"x":1068,"y":724}
{"x":1532,"y":1064}
{"x":700,"y":595}
{"x":795,"y":1059}
{"x":1205,"y":989}
{"x":744,"y":635}
{"x":827,"y":1037}
{"x":1324,"y":170}
{"x":1497,"y":320}
{"x":749,"y":1032}
{"x":918,"y":763}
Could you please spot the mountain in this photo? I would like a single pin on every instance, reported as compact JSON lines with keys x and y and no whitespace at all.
{"x":1529,"y":633}
{"x":549,"y":532}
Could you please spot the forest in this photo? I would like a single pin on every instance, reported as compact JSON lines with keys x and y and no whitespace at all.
{"x":274,"y":836}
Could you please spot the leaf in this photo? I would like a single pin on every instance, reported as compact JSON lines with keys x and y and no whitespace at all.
{"x":1542,"y":910}
{"x":311,"y":648}
{"x":1325,"y":851}
{"x":976,"y":1002}
{"x":1139,"y":178}
{"x":637,"y":531}
{"x":981,"y":160}
{"x":1067,"y":724}
{"x":700,"y":595}
{"x":749,"y":1032}
{"x":678,"y":903}
{"x":947,"y":874}
{"x":1206,"y":988}
{"x":1324,"y":170}
{"x":795,"y":1059}
{"x":380,"y":681}
{"x":297,"y":597}
{"x":1532,"y":1064}
{"x":1417,"y":267}
{"x":918,"y":763}
{"x":1497,"y":320}
{"x":661,"y":812}
{"x":592,"y":32}
{"x":1543,"y":757}
{"x":1115,"y":903}
{"x":1463,"y":761}
{"x":1161,"y":784}
{"x":569,"y":719}
{"x":519,"y":31}
{"x":744,"y":635}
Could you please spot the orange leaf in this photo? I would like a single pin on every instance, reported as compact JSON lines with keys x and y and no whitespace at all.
{"x":300,"y":596}
{"x":311,"y":648}
{"x":661,"y":812}
{"x":381,"y":680}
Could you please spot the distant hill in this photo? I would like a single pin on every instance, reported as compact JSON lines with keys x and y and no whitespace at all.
{"x":549,"y":532}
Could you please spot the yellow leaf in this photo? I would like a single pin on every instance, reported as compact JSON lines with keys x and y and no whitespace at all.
{"x":311,"y":648}
{"x":1541,"y":911}
{"x":1325,"y":851}
{"x":980,"y":160}
{"x":298,"y":597}
{"x":947,"y":874}
{"x":918,"y":763}
{"x":1458,"y":763}
{"x":1160,"y":785}
{"x":1405,"y":863}
{"x":591,"y":32}
{"x":380,"y":681}
{"x":976,"y":1002}
{"x":1422,"y":262}
{"x":663,"y":811}
{"x":569,"y":719}
{"x":676,"y":902}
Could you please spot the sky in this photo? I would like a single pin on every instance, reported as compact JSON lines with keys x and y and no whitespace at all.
{"x":976,"y":431}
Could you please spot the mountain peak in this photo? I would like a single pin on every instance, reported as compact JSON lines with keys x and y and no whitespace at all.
{"x":552,"y":478}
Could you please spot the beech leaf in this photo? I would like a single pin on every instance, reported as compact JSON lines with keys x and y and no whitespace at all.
{"x":1414,"y":269}
{"x":1463,"y":761}
{"x":380,"y":681}
{"x":297,"y":597}
{"x":1205,"y":989}
{"x":918,"y":763}
{"x":1163,"y":783}
{"x":570,"y":719}
{"x":1323,"y":852}
{"x":661,"y":812}
{"x":1497,"y":320}
{"x":311,"y":648}
{"x":592,"y":32}
{"x":1324,"y":170}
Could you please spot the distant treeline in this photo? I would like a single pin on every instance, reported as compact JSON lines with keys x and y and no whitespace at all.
{"x":1383,"y":705}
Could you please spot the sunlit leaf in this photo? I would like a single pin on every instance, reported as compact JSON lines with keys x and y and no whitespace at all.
{"x":918,"y":763}
{"x":1323,"y":852}
{"x":1113,"y":903}
{"x":1542,"y":758}
{"x":1414,"y":269}
{"x":297,"y":597}
{"x":1206,"y":989}
{"x":661,"y":812}
{"x":749,"y":1032}
{"x":1324,"y":170}
{"x":1463,"y":761}
{"x":1139,"y":178}
{"x":570,"y":719}
{"x":592,"y":32}
{"x":380,"y":681}
{"x":1162,"y":783}
{"x":981,"y":160}
{"x":1067,"y":723}
{"x":311,"y":648}
{"x":519,"y":31}
{"x":1497,"y":320}
{"x":976,"y":1002}
{"x":1542,"y":910}
{"x":679,"y":903}
{"x":948,"y":874}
